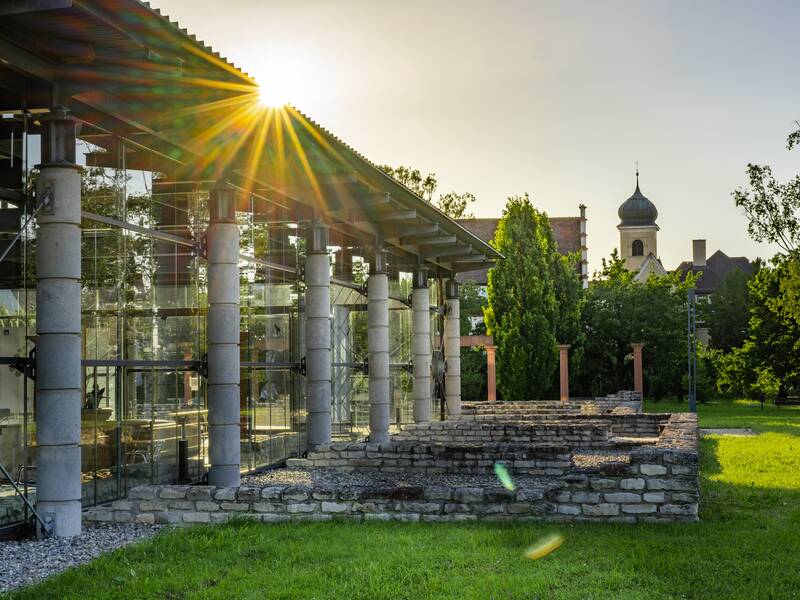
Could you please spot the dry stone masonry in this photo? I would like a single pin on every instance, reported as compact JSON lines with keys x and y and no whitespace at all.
{"x":608,"y":465}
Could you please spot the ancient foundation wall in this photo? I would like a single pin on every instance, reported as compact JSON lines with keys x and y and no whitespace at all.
{"x":633,"y":425}
{"x":614,"y":403}
{"x":411,"y":457}
{"x":576,"y":434}
{"x":654,"y":483}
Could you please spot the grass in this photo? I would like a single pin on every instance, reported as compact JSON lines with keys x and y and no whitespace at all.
{"x":747,"y":545}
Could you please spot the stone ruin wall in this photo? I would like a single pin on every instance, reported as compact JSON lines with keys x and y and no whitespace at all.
{"x":523,"y":427}
{"x":658,"y":482}
{"x":621,"y":402}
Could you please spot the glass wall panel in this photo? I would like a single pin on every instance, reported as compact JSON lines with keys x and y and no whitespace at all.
{"x":349,"y":353}
{"x":400,"y":382}
{"x":350,"y":393}
{"x":17,"y":318}
{"x":272,"y":390}
{"x":143,"y":317}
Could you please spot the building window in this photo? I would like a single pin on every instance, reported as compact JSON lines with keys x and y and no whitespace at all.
{"x":638,"y":248}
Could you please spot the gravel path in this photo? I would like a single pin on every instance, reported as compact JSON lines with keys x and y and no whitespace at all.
{"x":331,"y":479}
{"x":26,"y":561}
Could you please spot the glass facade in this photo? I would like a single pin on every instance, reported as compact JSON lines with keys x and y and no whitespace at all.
{"x":144,"y":303}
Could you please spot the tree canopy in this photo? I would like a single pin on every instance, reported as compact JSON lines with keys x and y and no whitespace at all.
{"x":728,"y":314}
{"x":523,"y":314}
{"x":453,"y":204}
{"x":619,"y":311}
{"x":772,"y":208}
{"x":765,"y":362}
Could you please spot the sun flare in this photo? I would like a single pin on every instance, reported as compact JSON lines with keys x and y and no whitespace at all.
{"x":270,"y":96}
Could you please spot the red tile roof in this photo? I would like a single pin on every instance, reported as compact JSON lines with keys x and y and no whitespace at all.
{"x":566,"y":231}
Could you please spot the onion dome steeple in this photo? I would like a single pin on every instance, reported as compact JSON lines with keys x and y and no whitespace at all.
{"x":637,"y":211}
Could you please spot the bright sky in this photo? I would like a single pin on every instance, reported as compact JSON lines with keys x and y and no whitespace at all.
{"x":557,"y":99}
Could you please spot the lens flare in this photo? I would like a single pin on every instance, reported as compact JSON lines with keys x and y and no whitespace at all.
{"x":504,"y":477}
{"x":544,"y":546}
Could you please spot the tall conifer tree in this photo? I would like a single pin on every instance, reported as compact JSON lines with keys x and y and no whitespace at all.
{"x":523,"y":313}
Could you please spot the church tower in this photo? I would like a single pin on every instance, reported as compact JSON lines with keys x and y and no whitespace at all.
{"x":638,"y":232}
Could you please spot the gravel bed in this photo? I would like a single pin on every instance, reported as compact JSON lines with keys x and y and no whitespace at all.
{"x":333,"y":478}
{"x":25,"y":561}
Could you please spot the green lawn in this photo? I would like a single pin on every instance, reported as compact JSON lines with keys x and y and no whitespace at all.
{"x":747,"y":545}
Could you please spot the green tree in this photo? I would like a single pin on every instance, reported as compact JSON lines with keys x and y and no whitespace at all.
{"x":735,"y":375}
{"x":522,"y":314}
{"x":790,"y":290}
{"x":772,"y":208}
{"x":774,"y":340}
{"x":473,"y":360}
{"x":766,"y":363}
{"x":423,"y":186}
{"x":453,"y":204}
{"x":619,"y":311}
{"x":728,"y":314}
{"x":794,"y":137}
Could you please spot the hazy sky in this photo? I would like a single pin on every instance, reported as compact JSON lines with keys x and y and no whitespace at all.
{"x":557,"y":99}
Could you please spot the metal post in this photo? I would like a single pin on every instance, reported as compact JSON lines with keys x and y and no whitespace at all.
{"x":318,"y":336}
{"x":452,"y":349}
{"x":378,"y":345}
{"x":691,"y":307}
{"x":58,"y":329}
{"x":224,"y":429}
{"x":421,"y":345}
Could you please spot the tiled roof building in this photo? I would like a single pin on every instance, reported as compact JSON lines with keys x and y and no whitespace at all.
{"x":714,"y":269}
{"x":569,"y":234}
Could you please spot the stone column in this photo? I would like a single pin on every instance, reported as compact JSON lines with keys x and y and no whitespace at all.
{"x":318,"y":336}
{"x":638,"y":381}
{"x":378,"y":345}
{"x":491,"y":378}
{"x":452,"y":349}
{"x":563,"y":368}
{"x":224,"y":434}
{"x":58,"y":329}
{"x":421,"y":345}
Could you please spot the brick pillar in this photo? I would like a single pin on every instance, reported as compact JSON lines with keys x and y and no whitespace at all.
{"x":563,"y":364}
{"x":638,"y":381}
{"x":491,"y":380}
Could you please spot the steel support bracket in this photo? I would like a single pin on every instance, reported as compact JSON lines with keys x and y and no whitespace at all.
{"x":26,"y":366}
{"x":202,"y":367}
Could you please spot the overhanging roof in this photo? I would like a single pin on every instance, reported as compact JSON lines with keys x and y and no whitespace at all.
{"x":128,"y":73}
